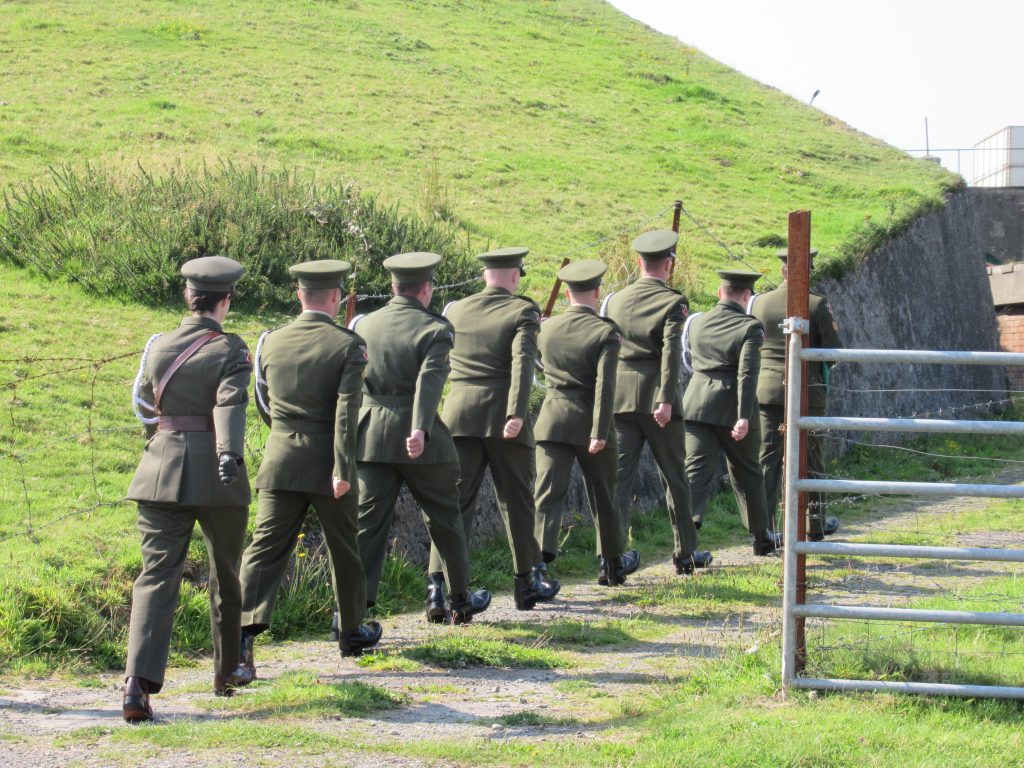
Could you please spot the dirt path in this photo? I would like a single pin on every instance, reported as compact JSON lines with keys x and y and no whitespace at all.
{"x":575,"y":702}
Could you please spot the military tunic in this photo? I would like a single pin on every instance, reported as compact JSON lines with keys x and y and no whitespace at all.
{"x":580,"y":353}
{"x":725,"y":347}
{"x":651,"y":316}
{"x":309,"y":388}
{"x":409,"y":349}
{"x":770,"y":309}
{"x":492,"y":373}
{"x":176,"y":485}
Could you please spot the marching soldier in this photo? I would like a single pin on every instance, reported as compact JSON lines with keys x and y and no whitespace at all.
{"x":194,"y":380}
{"x":488,"y":414}
{"x":770,"y":309}
{"x":721,"y":400}
{"x":401,"y":437}
{"x":648,"y":400}
{"x":309,"y":379}
{"x":580,"y":352}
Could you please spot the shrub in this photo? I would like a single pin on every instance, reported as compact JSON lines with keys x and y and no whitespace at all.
{"x":129,"y":235}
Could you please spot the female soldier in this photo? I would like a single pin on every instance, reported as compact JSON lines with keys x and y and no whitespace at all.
{"x":193,"y":381}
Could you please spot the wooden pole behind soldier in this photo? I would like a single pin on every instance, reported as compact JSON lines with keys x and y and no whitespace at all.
{"x":678,"y":209}
{"x":350,"y":305}
{"x":798,"y":305}
{"x":553,"y":296}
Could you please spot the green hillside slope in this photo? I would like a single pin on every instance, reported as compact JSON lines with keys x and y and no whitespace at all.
{"x":545,"y":123}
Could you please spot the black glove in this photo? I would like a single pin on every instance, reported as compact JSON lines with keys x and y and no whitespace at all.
{"x":228,"y":467}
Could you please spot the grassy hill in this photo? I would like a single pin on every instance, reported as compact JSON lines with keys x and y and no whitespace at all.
{"x":544,"y":123}
{"x":550,"y":124}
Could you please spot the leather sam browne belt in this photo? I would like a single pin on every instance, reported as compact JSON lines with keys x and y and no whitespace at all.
{"x":185,"y":424}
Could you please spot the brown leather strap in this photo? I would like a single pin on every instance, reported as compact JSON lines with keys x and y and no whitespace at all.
{"x":179,"y":361}
{"x":185,"y":424}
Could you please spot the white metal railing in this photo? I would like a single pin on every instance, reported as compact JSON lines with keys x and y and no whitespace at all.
{"x":794,"y":485}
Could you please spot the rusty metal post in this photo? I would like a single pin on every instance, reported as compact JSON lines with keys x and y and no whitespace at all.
{"x":350,"y":305}
{"x":678,"y":209}
{"x":553,"y":296}
{"x":798,"y":289}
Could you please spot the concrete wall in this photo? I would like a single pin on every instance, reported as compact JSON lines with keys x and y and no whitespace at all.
{"x":927,"y":289}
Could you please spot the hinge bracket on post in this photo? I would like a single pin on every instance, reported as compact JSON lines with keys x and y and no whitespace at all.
{"x":796,"y":325}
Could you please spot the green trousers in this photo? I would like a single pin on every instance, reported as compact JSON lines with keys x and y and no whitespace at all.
{"x":434,"y":488}
{"x":667,"y":443}
{"x":279,"y":519}
{"x":554,"y":473}
{"x":166,"y":532}
{"x":773,"y":451}
{"x":513,"y":471}
{"x":704,"y":443}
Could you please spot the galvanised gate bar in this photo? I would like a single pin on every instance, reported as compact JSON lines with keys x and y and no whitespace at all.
{"x":793,"y":607}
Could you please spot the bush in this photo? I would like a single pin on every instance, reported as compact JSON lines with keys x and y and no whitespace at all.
{"x":129,"y":235}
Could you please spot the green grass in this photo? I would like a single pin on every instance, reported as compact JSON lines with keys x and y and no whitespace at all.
{"x":530,"y":719}
{"x":728,"y":713}
{"x":211,"y":735}
{"x":715,"y":593}
{"x":551,"y":123}
{"x":303,"y":694}
{"x":388,"y":661}
{"x":458,"y":650}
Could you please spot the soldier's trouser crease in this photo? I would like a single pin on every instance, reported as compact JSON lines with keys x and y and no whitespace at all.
{"x":279,"y":520}
{"x":166,"y":532}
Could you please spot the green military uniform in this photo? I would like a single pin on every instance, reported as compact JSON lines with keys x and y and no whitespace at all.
{"x":770,"y":309}
{"x":651,"y":316}
{"x":309,"y":379}
{"x":493,"y":363}
{"x":725,"y":347}
{"x":409,"y":350}
{"x":200,"y":416}
{"x":580,"y":354}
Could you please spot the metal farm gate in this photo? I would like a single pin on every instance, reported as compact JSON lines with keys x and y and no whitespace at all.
{"x":794,"y":606}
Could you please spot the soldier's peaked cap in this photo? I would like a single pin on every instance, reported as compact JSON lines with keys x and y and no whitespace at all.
{"x":505,"y":258}
{"x":783,"y":254}
{"x":656,"y":244}
{"x":417,"y":267}
{"x":217,"y":274}
{"x":316,"y":275}
{"x":582,"y":275}
{"x":739,"y":280}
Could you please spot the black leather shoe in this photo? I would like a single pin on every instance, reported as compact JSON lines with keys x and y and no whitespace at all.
{"x":357,"y":640}
{"x":767,"y":542}
{"x":546,"y":588}
{"x":463,"y":608}
{"x":830,"y":526}
{"x":610,"y":572}
{"x":630,"y":561}
{"x":436,"y":612}
{"x":685,"y":564}
{"x":335,"y":634}
{"x":524,"y":593}
{"x":135,"y":706}
{"x":245,"y":655}
{"x":226,"y":685}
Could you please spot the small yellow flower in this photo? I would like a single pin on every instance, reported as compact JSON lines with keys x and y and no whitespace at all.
{"x":300,"y":554}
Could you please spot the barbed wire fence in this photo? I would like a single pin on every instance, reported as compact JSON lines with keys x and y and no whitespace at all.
{"x":68,"y":444}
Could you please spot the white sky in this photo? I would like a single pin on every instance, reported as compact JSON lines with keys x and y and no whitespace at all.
{"x":881,"y":66}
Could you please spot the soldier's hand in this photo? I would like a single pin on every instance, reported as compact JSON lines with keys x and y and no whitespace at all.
{"x":663,"y":414}
{"x":512,"y":428}
{"x":341,"y":487}
{"x":414,"y":443}
{"x":596,"y":446}
{"x":740,"y":429}
{"x":227,"y":467}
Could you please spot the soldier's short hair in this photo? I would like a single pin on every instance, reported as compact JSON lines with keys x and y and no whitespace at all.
{"x":204,"y":301}
{"x":316,"y":295}
{"x":732,"y":292}
{"x":409,"y":288}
